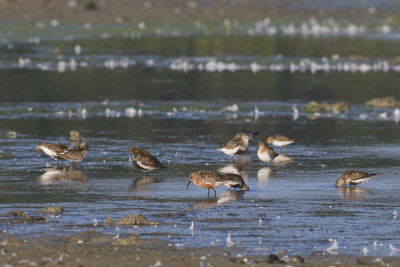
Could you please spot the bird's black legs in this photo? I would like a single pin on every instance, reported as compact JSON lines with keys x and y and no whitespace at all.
{"x":215,"y":193}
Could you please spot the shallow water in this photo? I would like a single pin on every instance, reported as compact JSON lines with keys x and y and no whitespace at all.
{"x":182,"y":116}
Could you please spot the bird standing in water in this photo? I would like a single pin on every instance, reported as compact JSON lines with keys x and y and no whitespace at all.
{"x":353,"y":178}
{"x":238,"y":144}
{"x":144,"y":161}
{"x":280,"y":141}
{"x":52,"y":150}
{"x":232,"y":180}
{"x":266,"y":153}
{"x":75,"y":154}
{"x":210,"y":180}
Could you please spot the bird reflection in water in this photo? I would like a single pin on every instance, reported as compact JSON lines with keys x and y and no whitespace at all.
{"x":238,"y":169}
{"x":282,"y":159}
{"x":141,"y":185}
{"x":264,"y":174}
{"x":354,"y":193}
{"x":223,"y":198}
{"x":241,"y":160}
{"x":143,"y":182}
{"x":60,"y":174}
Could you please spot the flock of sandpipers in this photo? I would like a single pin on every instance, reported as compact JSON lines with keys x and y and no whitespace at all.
{"x":146,"y":162}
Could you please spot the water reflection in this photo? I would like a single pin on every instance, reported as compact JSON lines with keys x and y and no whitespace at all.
{"x":241,"y":159}
{"x":230,"y":196}
{"x":264,"y":174}
{"x":238,"y":169}
{"x":58,"y":174}
{"x":353,"y":193}
{"x":282,"y":159}
{"x":223,"y":198}
{"x":143,"y":182}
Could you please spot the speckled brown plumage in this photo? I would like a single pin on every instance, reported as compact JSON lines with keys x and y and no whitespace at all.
{"x":232,"y":180}
{"x":279,"y":137}
{"x":75,"y":154}
{"x":238,"y":144}
{"x":210,"y":180}
{"x":52,"y":149}
{"x":205,"y":179}
{"x":235,"y":142}
{"x":244,"y":133}
{"x":279,"y":140}
{"x":208,"y":176}
{"x":143,"y":160}
{"x":353,"y":177}
{"x":266,"y":153}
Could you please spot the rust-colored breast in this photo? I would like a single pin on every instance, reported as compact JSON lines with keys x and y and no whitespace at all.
{"x":203,"y":183}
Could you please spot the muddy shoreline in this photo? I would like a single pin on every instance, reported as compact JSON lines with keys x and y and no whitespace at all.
{"x":91,"y":248}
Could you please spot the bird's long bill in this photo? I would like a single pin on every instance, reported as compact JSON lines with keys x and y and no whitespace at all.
{"x":245,"y":187}
{"x":187,"y":187}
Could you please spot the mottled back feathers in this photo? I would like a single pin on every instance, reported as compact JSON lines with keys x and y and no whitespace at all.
{"x":353,"y":177}
{"x":77,"y":153}
{"x":143,"y":160}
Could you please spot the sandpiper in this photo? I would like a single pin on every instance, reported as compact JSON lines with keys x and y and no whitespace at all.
{"x":52,"y":149}
{"x":75,"y":154}
{"x":232,"y":180}
{"x":238,"y":144}
{"x":205,"y":179}
{"x":279,"y":140}
{"x":266,"y":153}
{"x":353,"y":178}
{"x":144,"y":161}
{"x":210,"y":180}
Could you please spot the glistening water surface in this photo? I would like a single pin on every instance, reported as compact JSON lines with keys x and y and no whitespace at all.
{"x":182,"y":97}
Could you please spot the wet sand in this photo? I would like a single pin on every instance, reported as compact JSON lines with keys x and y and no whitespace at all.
{"x":90,"y":248}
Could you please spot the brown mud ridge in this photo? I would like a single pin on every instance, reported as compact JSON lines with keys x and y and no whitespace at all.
{"x":18,"y":216}
{"x":92,"y":248}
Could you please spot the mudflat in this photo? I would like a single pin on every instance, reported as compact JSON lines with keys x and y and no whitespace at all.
{"x":61,"y":185}
{"x":91,"y":248}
